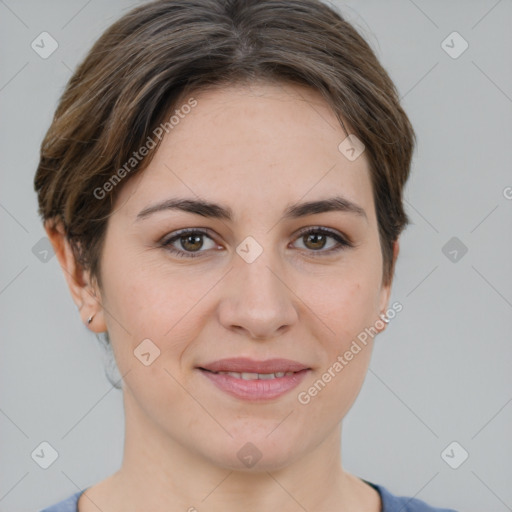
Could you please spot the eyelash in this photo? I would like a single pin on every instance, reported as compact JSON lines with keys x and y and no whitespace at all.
{"x":343,"y":243}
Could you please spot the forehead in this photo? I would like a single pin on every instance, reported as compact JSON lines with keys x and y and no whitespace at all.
{"x":253,"y":146}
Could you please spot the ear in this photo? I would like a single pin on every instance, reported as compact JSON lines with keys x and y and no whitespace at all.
{"x":85,"y":293}
{"x":386,"y":289}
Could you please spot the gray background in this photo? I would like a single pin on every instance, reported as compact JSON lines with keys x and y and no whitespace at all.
{"x":439,"y":373}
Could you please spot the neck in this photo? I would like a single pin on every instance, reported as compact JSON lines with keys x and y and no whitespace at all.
{"x":160,"y":474}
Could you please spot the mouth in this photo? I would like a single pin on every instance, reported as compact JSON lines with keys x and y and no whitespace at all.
{"x":253,"y":376}
{"x":252,"y":380}
{"x":246,"y":365}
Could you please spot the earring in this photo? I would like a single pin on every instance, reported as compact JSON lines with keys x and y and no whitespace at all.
{"x":89,"y":320}
{"x":384,"y":318}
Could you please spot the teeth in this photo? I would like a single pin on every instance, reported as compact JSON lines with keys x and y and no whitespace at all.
{"x":249,"y":376}
{"x":265,"y":376}
{"x":254,"y":376}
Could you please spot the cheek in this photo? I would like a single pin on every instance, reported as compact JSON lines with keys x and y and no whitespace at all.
{"x":154,"y":301}
{"x":147,"y":294}
{"x":347,"y":308}
{"x":349,"y":313}
{"x":346,"y":302}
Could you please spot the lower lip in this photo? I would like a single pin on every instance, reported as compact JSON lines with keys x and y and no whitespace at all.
{"x":264,"y":389}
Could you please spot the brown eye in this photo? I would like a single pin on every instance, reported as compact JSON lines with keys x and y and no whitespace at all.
{"x":317,"y":239}
{"x":191,"y":242}
{"x":187,"y":243}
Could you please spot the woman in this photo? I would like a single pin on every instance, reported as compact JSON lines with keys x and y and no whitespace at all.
{"x":222,"y":184}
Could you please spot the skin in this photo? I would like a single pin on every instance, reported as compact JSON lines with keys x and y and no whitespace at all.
{"x":256,"y":149}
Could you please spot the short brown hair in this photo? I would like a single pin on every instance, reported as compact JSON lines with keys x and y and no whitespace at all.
{"x":155,"y":55}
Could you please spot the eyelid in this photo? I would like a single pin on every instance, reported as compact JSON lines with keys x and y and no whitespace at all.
{"x":186,"y":231}
{"x":327,"y":231}
{"x":167,"y":240}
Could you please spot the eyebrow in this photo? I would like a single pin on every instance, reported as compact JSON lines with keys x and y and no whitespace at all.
{"x":217,"y":211}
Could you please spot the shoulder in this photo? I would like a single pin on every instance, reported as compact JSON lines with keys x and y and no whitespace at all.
{"x":67,"y":505}
{"x":392,"y":503}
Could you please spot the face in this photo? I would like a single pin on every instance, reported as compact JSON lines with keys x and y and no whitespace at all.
{"x":255,"y":277}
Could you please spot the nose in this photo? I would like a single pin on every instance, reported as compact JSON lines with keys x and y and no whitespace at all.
{"x":257,"y":299}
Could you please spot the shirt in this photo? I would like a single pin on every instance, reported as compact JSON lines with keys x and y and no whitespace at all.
{"x":390,"y":503}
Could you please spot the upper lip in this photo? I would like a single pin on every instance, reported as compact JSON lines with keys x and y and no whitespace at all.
{"x":247,"y":365}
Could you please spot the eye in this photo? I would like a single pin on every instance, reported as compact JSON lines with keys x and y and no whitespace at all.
{"x":316,"y":238}
{"x":191,"y":241}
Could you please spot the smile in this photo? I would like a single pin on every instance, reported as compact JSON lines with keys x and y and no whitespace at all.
{"x":255,"y":376}
{"x":254,"y":386}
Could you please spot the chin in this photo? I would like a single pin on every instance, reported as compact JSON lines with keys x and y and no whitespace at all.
{"x":254,"y":453}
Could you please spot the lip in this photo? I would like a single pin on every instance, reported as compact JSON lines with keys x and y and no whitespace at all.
{"x":245,"y":364}
{"x":256,"y":389}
